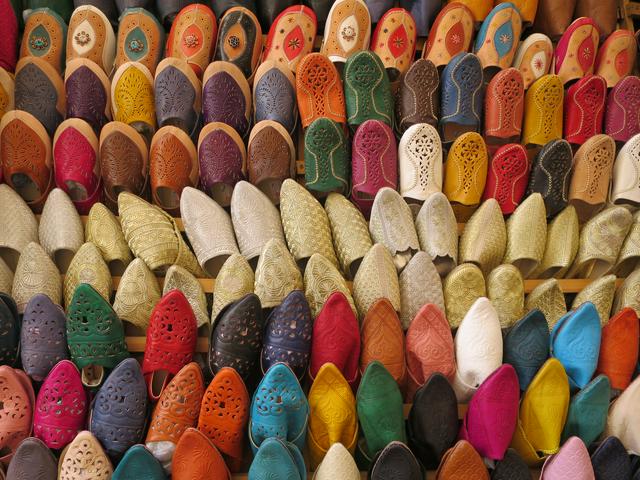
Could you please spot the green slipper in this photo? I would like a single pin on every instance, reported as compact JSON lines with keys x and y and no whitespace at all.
{"x":326,"y":160}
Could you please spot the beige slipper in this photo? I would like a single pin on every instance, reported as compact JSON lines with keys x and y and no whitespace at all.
{"x":137,"y":295}
{"x":88,"y":266}
{"x":484,"y":238}
{"x":178,"y":278}
{"x":549,"y":299}
{"x":505,"y":289}
{"x":321,"y":279}
{"x":104,"y":231}
{"x":35,"y":273}
{"x":18,"y":226}
{"x":376,"y":278}
{"x":235,"y":279}
{"x":277,"y":274}
{"x":462,"y":287}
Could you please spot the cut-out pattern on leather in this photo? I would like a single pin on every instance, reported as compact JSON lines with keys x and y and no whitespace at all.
{"x":61,"y":407}
{"x":223,"y":101}
{"x":175,"y":96}
{"x":236,"y":339}
{"x":621,"y":118}
{"x":592,"y":170}
{"x":178,"y":407}
{"x":133,"y":98}
{"x":326,"y":157}
{"x":16,"y":409}
{"x":85,"y":459}
{"x":466,"y":165}
{"x":86,"y":98}
{"x":504,"y":105}
{"x":584,"y":109}
{"x":287,"y":336}
{"x":36,"y":93}
{"x":43,"y":341}
{"x":120,"y":409}
{"x":172,"y":166}
{"x":224,"y":413}
{"x":420,"y":161}
{"x":221,"y":160}
{"x":367,"y":90}
{"x":461,"y":91}
{"x":419,"y":96}
{"x":275,"y":99}
{"x":319,"y":90}
{"x":508,"y":177}
{"x":551,"y":175}
{"x":543,"y":119}
{"x":121,"y":165}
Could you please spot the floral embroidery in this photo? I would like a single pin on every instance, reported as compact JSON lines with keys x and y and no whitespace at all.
{"x":136,"y":46}
{"x":39,"y":43}
{"x":348,"y":33}
{"x":234,"y":42}
{"x":191,"y":41}
{"x":82,"y":38}
{"x":504,"y":38}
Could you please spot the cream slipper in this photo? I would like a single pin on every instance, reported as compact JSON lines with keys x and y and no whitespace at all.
{"x":484,"y":238}
{"x":87,"y":266}
{"x":137,"y":295}
{"x":376,"y":278}
{"x":18,"y":226}
{"x":462,"y":287}
{"x":549,"y":299}
{"x":277,"y":274}
{"x":628,"y":295}
{"x":437,"y":229}
{"x":178,"y":278}
{"x":563,"y":238}
{"x":234,"y":281}
{"x":35,"y":273}
{"x":420,"y":284}
{"x":104,"y":231}
{"x":505,"y":289}
{"x":600,"y":293}
{"x":321,"y":279}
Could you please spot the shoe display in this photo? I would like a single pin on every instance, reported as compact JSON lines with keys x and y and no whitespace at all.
{"x":45,"y":36}
{"x":321,"y":279}
{"x":326,"y":157}
{"x":274,"y":95}
{"x":462,"y":287}
{"x":84,"y":458}
{"x":462,"y":460}
{"x":376,"y":278}
{"x":104,"y":231}
{"x":178,"y":95}
{"x":592,"y":403}
{"x":438,"y":232}
{"x":419,"y":96}
{"x":235,"y":279}
{"x":137,"y":295}
{"x":504,"y":107}
{"x":34,"y":460}
{"x":291,"y":36}
{"x":619,"y":121}
{"x":549,"y":299}
{"x":91,"y":36}
{"x":177,"y":278}
{"x":196,"y":456}
{"x":132,"y":98}
{"x":451,"y":33}
{"x":87,"y":267}
{"x":395,"y":458}
{"x":239,"y":40}
{"x":572,"y":459}
{"x":575,"y":54}
{"x":484,"y":239}
{"x":140,"y":39}
{"x":347,"y":30}
{"x":584,"y":109}
{"x":534,"y":58}
{"x":88,"y":91}
{"x":35,"y":273}
{"x":496,"y":42}
{"x":505,"y":290}
{"x":543,"y":111}
{"x":615,"y":58}
{"x":394,"y":41}
{"x":420,"y":285}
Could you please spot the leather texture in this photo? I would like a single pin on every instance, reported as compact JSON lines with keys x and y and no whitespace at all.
{"x":419,"y":163}
{"x":280,"y":459}
{"x":484,"y":239}
{"x":462,"y":461}
{"x":61,"y":231}
{"x":287,"y":335}
{"x":124,"y":161}
{"x":379,"y":406}
{"x":26,"y":157}
{"x":376,"y":278}
{"x":336,"y":339}
{"x":507,"y":177}
{"x":226,"y":96}
{"x":462,"y":287}
{"x":543,"y":111}
{"x":367,"y":97}
{"x":277,"y":274}
{"x":395,"y":459}
{"x":394,"y":41}
{"x":625,"y":178}
{"x":603,"y":14}
{"x":450,"y":34}
{"x":337,"y":461}
{"x":197,"y":457}
{"x":271,"y":158}
{"x":553,"y":18}
{"x":418,"y":98}
{"x":34,"y":460}
{"x":466,"y":170}
{"x":43,"y":336}
{"x":572,"y":460}
{"x":478,"y":345}
{"x":279,"y":409}
{"x":139,"y":463}
{"x":432,"y":425}
{"x":141,"y":38}
{"x":45,"y":35}
{"x":526,"y":346}
{"x":321,"y":279}
{"x":274,"y":96}
{"x":347,"y":30}
{"x":319,"y":90}
{"x":326,"y":157}
{"x":11,"y":327}
{"x":40,"y":91}
{"x":291,"y":36}
{"x":575,"y":54}
{"x":534,"y":57}
{"x":177,"y":278}
{"x":84,"y":459}
{"x":584,"y":105}
{"x":8,"y":52}
{"x":391,"y":224}
{"x":223,"y":161}
{"x":332,"y":414}
{"x":437,"y":229}
{"x":132,"y":97}
{"x":527,"y":235}
{"x":480,"y":10}
{"x":119,"y":429}
{"x":18,"y":409}
{"x":255,"y":220}
{"x":76,"y":163}
{"x":419,"y":284}
{"x":620,"y":423}
{"x":428,"y":333}
{"x":224,"y":414}
{"x":236,"y":338}
{"x":551,"y":174}
{"x":505,"y":290}
{"x":88,"y":267}
{"x":461,"y":96}
{"x":588,"y":411}
{"x":504,"y":107}
{"x":543,"y":411}
{"x":600,"y":241}
{"x":374,"y":163}
{"x":192,"y":36}
{"x":95,"y":334}
{"x":90,"y":35}
{"x":35,"y":273}
{"x":511,"y":467}
{"x":239,"y":40}
{"x":615,"y":58}
{"x":350,"y":232}
{"x":610,"y":460}
{"x":137,"y":295}
{"x":209,"y":229}
{"x":619,"y":121}
{"x":579,"y":327}
{"x":176,"y":411}
{"x":177,"y":95}
{"x":502,"y":27}
{"x":618,"y":349}
{"x":61,"y":406}
{"x":383,"y":341}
